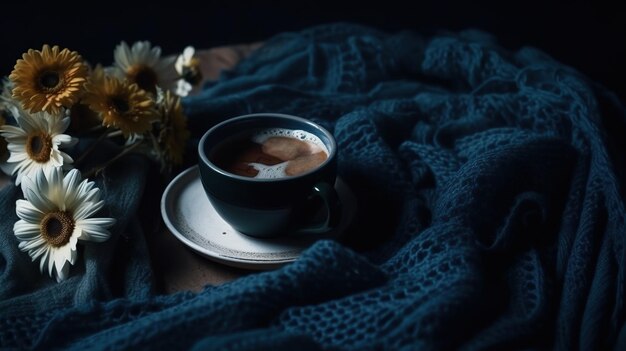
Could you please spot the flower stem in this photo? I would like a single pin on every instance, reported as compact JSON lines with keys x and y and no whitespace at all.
{"x":114,"y":133}
{"x":90,"y":148}
{"x":155,"y":147}
{"x":91,"y":130}
{"x":96,"y":170}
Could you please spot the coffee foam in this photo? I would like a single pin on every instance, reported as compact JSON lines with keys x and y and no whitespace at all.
{"x":270,"y":172}
{"x":316,"y":143}
{"x":278,"y":171}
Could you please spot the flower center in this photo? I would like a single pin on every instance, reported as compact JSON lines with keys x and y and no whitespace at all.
{"x":120,"y":104}
{"x":49,"y":81}
{"x":192,"y":75}
{"x":145,"y":77}
{"x":57,"y":228}
{"x":39,"y":146}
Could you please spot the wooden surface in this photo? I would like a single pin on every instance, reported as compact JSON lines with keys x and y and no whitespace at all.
{"x":178,"y":268}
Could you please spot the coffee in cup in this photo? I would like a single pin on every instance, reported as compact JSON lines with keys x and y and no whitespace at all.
{"x":270,"y":153}
{"x":266,"y":173}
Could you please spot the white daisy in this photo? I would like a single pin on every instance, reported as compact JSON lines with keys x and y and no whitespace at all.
{"x":142,"y":64}
{"x":184,"y":59}
{"x":188,"y":68}
{"x":35,"y":143}
{"x":56,"y":214}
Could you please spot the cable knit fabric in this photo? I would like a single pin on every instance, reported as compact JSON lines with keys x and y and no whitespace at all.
{"x":490,"y":212}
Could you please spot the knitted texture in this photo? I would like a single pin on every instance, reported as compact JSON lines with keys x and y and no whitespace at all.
{"x":490,"y":213}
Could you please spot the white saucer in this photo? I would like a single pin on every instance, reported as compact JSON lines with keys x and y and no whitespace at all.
{"x":189,"y":215}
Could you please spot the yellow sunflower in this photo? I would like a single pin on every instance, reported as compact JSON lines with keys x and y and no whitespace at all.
{"x":49,"y":79}
{"x":173,"y":134}
{"x":121,"y":105}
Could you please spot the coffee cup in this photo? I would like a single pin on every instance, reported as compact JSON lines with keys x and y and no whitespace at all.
{"x":270,"y":174}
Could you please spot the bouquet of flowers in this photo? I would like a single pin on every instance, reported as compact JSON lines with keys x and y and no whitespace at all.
{"x":51,"y":99}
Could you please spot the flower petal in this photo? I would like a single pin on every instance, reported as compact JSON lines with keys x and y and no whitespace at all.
{"x":23,"y":225}
{"x":121,"y":55}
{"x":45,"y":256}
{"x":70,"y":184}
{"x":55,"y":177}
{"x":39,"y":200}
{"x":66,"y":158}
{"x":26,"y":211}
{"x":32,"y":244}
{"x":85,"y":192}
{"x":61,"y":255}
{"x":95,"y":233}
{"x":56,"y":192}
{"x":64,"y":140}
{"x":87,"y":209}
{"x":26,"y":231}
{"x":51,"y":255}
{"x":17,"y":146}
{"x":40,"y":180}
{"x":56,"y":159}
{"x":99,"y":221}
{"x":9,"y":132}
{"x":92,"y":195}
{"x":22,"y":169}
{"x":26,"y":122}
{"x":34,"y":254}
{"x":73,"y":242}
{"x":188,"y":53}
{"x":18,"y":156}
{"x":61,"y":126}
{"x":63,"y":273}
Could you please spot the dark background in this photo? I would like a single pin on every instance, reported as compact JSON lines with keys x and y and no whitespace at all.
{"x":587,"y":35}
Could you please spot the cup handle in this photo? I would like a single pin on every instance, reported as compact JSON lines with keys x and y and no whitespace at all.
{"x":331,"y":202}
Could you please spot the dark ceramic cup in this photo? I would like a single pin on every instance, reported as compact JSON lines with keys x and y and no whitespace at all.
{"x":306,"y":203}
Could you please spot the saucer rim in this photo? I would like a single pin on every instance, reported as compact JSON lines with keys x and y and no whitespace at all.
{"x":183,"y":179}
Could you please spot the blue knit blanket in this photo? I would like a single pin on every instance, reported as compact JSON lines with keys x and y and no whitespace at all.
{"x":491,"y":214}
